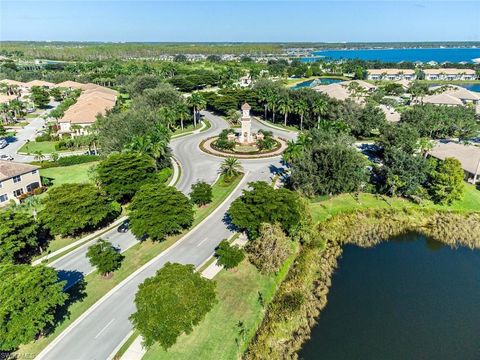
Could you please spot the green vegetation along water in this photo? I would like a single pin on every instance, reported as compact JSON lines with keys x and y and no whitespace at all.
{"x":411,"y":298}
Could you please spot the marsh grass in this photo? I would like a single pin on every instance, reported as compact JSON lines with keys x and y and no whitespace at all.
{"x":303,"y":295}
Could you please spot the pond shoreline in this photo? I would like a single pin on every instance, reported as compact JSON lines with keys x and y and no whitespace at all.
{"x":285,"y":328}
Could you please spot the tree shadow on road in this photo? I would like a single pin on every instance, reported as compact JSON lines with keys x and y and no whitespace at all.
{"x":76,"y":292}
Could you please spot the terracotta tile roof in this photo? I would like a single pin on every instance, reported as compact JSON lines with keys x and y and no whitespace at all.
{"x":101,"y":89}
{"x":12,"y":82}
{"x":442,"y":99}
{"x":9,"y":169}
{"x":72,"y":85}
{"x":468,"y":155}
{"x":39,"y":83}
{"x":6,"y":98}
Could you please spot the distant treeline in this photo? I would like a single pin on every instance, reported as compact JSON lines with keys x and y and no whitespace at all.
{"x":98,"y":50}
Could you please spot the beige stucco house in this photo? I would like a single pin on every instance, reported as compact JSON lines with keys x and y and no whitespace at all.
{"x":17,"y":179}
{"x":449,"y":74}
{"x":391,"y":74}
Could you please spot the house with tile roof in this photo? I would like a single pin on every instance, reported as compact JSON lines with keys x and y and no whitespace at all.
{"x":17,"y":179}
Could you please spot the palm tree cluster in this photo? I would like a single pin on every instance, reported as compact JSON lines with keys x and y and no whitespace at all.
{"x":276,"y":99}
{"x":12,"y":111}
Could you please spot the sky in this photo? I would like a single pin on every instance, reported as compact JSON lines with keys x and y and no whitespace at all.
{"x":237,"y":21}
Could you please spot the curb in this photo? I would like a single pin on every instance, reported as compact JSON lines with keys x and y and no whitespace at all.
{"x":65,"y":332}
{"x":79,"y":242}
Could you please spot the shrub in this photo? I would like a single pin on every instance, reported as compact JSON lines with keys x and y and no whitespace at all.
{"x":76,"y":159}
{"x":229,"y":255}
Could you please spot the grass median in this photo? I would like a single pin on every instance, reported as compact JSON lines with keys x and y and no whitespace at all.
{"x":242,"y":294}
{"x":135,"y":257}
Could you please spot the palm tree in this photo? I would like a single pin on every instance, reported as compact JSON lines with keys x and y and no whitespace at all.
{"x":425,"y":146}
{"x":320,"y":107}
{"x":230,"y":167}
{"x":168,"y":115}
{"x":38,"y":155}
{"x":285,"y":106}
{"x":264,"y":95}
{"x":301,"y":107}
{"x":182,"y":113}
{"x":54,"y":156}
{"x":295,"y":148}
{"x":272,"y":104}
{"x":198,"y":103}
{"x":233,"y":116}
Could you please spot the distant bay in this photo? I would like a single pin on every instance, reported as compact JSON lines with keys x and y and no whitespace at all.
{"x":438,"y":55}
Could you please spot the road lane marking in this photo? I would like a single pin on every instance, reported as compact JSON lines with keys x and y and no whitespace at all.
{"x":104,"y":328}
{"x":201,"y":242}
{"x":129,"y":278}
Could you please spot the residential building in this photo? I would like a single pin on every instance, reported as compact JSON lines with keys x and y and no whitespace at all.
{"x":468,"y":155}
{"x":17,"y":179}
{"x":94,"y":100}
{"x":449,"y":74}
{"x":40,"y":83}
{"x":391,"y":74}
{"x":441,"y":99}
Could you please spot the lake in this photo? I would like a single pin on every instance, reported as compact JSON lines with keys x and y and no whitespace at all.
{"x":411,"y":298}
{"x":398,"y":55}
{"x":319,"y":81}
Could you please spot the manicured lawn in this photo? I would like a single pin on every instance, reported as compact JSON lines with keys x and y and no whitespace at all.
{"x":69,"y":174}
{"x":323,"y":209}
{"x":220,"y":191}
{"x":187,"y":129}
{"x":135,"y":257}
{"x":46,"y":147}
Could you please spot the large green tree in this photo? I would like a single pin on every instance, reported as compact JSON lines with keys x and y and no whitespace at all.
{"x":158,"y":210}
{"x":404,"y":174}
{"x":264,"y":204}
{"x":40,"y":96}
{"x":73,"y":208}
{"x":438,"y":122}
{"x":104,"y":257}
{"x":116,"y":131}
{"x":30,"y":296}
{"x":20,"y":236}
{"x":171,"y":303}
{"x":447,"y":181}
{"x":121,"y":175}
{"x":329,"y":168}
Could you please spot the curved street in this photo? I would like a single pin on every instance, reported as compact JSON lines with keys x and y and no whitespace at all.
{"x":98,"y":332}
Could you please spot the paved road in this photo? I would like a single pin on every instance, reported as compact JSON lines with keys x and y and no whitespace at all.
{"x":197,"y":165}
{"x":22,"y":136}
{"x":98,"y":332}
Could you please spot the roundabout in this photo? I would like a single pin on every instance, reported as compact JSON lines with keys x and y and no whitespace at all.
{"x":208,"y":146}
{"x":245,"y":144}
